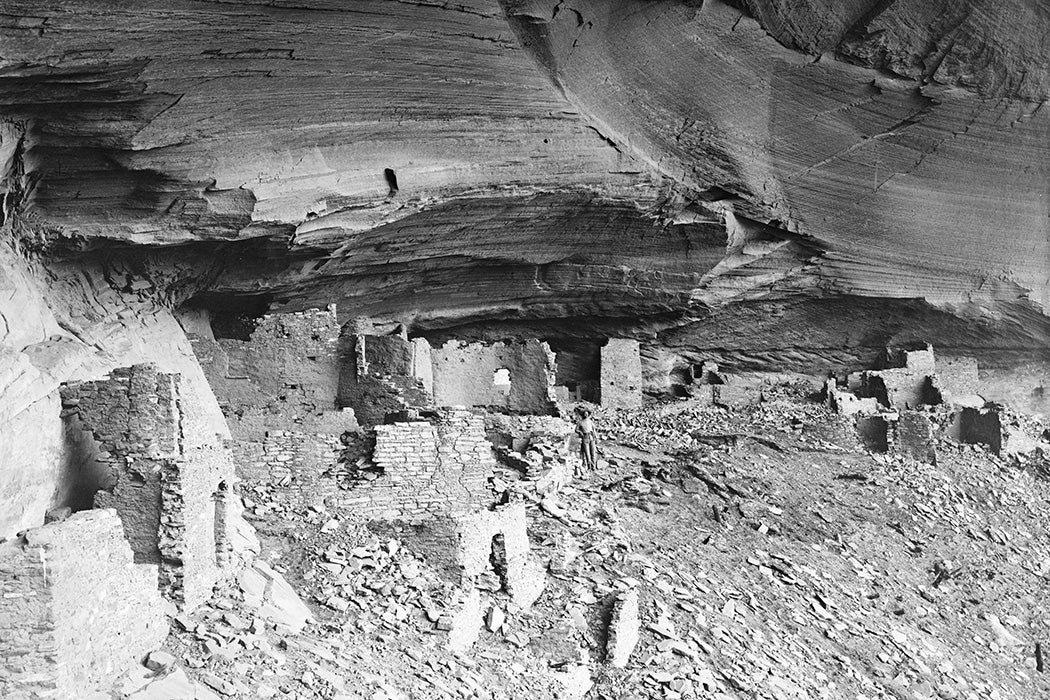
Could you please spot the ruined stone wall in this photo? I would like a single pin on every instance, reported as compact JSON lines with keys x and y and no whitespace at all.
{"x":164,"y":490}
{"x":905,"y":380}
{"x":490,"y":536}
{"x":52,"y":333}
{"x":76,"y":610}
{"x":294,"y":462}
{"x":194,"y":537}
{"x":463,"y":375}
{"x":621,"y":374}
{"x":286,"y":374}
{"x":516,"y":431}
{"x":957,"y":377}
{"x":385,"y":374}
{"x":900,"y":388}
{"x":429,"y":470}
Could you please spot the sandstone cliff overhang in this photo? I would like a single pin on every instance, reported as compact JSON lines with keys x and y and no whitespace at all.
{"x":631,"y":164}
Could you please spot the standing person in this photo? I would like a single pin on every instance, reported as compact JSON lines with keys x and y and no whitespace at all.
{"x":585,"y":429}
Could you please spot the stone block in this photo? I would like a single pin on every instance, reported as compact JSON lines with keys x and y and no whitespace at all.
{"x":623,"y":629}
{"x":272,"y":598}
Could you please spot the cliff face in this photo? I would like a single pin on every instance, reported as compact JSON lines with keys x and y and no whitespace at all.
{"x":699,"y":172}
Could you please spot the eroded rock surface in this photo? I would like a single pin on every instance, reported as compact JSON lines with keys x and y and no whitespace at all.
{"x":534,"y":159}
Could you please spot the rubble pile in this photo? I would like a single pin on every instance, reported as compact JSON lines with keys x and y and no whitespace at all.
{"x":758,"y":553}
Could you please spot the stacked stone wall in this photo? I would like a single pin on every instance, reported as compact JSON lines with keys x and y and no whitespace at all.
{"x":286,"y":374}
{"x":429,"y":470}
{"x":76,"y":610}
{"x":163,"y":490}
{"x":293,"y":462}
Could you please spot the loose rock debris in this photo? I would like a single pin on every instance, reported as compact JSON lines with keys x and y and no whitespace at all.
{"x":813,"y":569}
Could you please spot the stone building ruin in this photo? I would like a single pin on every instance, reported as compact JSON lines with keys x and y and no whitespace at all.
{"x":912,"y":399}
{"x":335,"y":277}
{"x":172,"y":497}
{"x":383,"y":374}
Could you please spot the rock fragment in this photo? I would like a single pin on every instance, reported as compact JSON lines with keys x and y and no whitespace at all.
{"x":623,"y":628}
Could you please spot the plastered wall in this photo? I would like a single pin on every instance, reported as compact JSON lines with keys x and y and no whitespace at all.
{"x":621,"y":374}
{"x":463,"y":375}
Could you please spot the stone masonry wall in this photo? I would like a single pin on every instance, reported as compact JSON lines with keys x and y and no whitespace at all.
{"x":385,"y":374}
{"x":430,"y":470}
{"x":463,"y":375}
{"x":164,"y":491}
{"x":293,"y":462}
{"x":621,"y":374}
{"x":957,"y":378}
{"x":76,"y":611}
{"x":286,"y":374}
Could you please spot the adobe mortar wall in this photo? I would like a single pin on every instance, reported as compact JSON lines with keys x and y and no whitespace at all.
{"x":463,"y":375}
{"x":76,"y":610}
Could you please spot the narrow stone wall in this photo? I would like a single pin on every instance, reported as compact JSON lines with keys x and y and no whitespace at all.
{"x":915,"y":437}
{"x":76,"y":611}
{"x":621,"y":374}
{"x":464,"y":375}
{"x":164,"y":490}
{"x":429,"y":470}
